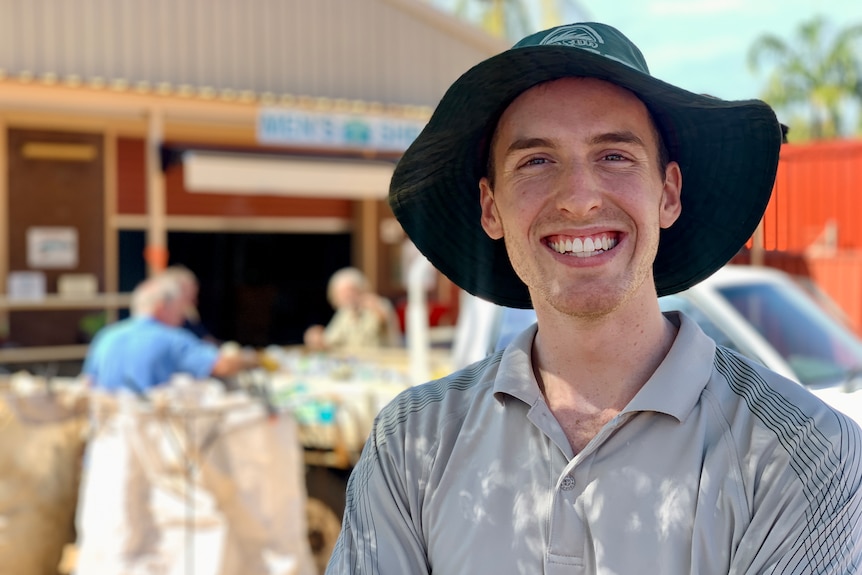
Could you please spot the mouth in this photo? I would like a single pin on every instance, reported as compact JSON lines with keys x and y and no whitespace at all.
{"x":583,"y":246}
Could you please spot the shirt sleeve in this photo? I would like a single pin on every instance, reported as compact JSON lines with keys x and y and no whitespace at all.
{"x":380,"y":533}
{"x":91,"y":360}
{"x":195,"y":356}
{"x":808,"y":514}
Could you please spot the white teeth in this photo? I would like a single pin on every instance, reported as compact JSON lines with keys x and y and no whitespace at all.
{"x":584,"y":248}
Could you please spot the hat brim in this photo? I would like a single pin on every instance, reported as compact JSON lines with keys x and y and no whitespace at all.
{"x":727,"y":151}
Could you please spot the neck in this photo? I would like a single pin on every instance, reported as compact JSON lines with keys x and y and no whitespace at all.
{"x":599,"y":364}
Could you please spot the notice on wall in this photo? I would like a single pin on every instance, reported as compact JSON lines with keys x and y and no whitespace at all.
{"x":25,"y":285}
{"x":52,"y":247}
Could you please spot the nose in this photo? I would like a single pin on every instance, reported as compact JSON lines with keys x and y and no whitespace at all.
{"x":578,"y":191}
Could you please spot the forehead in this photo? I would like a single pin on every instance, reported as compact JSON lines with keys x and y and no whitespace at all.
{"x":581,"y":102}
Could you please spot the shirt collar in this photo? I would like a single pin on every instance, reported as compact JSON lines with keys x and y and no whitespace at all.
{"x":674,"y":388}
{"x":515,"y":375}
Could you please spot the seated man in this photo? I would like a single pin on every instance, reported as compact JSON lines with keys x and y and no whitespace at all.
{"x":148,"y":348}
{"x":362,"y":318}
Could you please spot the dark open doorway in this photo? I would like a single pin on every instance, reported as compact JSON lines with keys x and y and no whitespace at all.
{"x":256,"y":289}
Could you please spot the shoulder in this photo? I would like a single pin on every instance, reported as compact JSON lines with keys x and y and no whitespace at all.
{"x":384,"y":303}
{"x":772,"y":398}
{"x":425,"y":409}
{"x":170,"y":338}
{"x":171,"y":332}
{"x":111,"y":331}
{"x":779,"y":415}
{"x":800,"y":463}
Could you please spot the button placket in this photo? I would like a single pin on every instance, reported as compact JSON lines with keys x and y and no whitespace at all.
{"x":567,"y":533}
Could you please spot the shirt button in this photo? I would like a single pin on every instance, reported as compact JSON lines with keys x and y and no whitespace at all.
{"x":568,"y":483}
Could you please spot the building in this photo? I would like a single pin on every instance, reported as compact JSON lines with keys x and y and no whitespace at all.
{"x":251,"y":141}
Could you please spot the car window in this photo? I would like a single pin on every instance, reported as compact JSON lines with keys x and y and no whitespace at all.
{"x":818,"y":349}
{"x":677,"y":303}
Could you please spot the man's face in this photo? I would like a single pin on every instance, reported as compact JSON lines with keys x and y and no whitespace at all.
{"x":578,"y":196}
{"x":346,"y":294}
{"x":171,"y":312}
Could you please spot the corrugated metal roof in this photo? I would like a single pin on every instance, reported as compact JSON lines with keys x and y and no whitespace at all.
{"x":389,"y":51}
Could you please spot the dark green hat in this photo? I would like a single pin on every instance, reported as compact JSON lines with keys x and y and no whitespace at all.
{"x":727,"y":151}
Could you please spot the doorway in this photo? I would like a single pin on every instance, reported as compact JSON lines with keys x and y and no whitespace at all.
{"x":255,"y":288}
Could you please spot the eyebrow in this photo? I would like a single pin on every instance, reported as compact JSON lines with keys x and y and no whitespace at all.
{"x":527,"y":143}
{"x":620,"y":137}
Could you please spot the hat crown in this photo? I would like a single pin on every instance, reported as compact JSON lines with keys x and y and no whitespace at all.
{"x":593,"y":37}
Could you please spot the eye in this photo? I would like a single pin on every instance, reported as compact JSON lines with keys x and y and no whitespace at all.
{"x":615,"y":157}
{"x":535,"y":162}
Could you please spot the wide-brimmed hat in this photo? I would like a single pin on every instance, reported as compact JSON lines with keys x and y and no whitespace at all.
{"x":727,"y":151}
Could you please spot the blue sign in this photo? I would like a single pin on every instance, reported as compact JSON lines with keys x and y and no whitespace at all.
{"x":336,"y":130}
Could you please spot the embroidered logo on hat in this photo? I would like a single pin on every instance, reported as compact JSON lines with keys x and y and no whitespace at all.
{"x":578,"y":36}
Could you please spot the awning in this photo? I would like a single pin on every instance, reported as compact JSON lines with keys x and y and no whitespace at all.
{"x":259,"y":174}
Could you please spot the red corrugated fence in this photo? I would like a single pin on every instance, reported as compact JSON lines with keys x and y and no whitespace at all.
{"x":814,"y":217}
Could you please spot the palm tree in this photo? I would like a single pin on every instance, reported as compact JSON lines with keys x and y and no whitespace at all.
{"x":813,"y":75}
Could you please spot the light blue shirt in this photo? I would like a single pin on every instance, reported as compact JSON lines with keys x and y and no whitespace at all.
{"x":140,"y":353}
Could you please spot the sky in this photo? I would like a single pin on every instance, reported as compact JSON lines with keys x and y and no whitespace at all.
{"x":702,"y":45}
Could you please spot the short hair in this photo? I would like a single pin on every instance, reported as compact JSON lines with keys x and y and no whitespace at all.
{"x":348,"y":276}
{"x":182,"y":274}
{"x":153,"y":292}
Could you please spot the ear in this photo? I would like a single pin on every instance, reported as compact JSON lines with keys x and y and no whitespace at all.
{"x":160,"y":312}
{"x":490,"y":218}
{"x":671,"y":203}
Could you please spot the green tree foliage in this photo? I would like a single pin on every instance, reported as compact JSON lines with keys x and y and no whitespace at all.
{"x":815,"y":78}
{"x":502,"y":18}
{"x":514,"y":19}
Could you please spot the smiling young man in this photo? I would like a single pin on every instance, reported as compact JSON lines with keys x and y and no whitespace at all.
{"x":579,"y":196}
{"x":608,"y":437}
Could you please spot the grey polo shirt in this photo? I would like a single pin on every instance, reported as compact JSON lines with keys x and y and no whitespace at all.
{"x":717,"y":466}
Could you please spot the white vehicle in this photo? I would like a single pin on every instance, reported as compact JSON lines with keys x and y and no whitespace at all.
{"x":786,"y":324}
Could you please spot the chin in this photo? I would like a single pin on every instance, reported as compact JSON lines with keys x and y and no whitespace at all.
{"x":594,"y":305}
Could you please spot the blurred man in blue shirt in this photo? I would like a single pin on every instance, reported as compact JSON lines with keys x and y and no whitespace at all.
{"x":148,"y":348}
